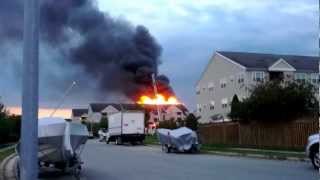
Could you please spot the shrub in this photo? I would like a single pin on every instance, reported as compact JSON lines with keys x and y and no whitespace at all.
{"x":168,"y":124}
{"x":274,"y":101}
{"x":191,"y":122}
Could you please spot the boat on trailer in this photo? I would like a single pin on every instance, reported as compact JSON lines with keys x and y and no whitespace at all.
{"x":178,"y":140}
{"x":61,"y":144}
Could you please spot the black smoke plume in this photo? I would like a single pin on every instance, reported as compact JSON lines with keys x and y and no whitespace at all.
{"x":88,"y":46}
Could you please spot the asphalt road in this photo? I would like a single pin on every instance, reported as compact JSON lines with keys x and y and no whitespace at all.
{"x":111,"y":162}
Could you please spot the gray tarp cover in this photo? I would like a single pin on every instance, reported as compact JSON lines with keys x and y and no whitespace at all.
{"x":182,"y":138}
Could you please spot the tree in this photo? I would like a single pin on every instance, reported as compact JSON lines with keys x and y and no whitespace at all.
{"x":168,"y":124}
{"x":274,"y":101}
{"x":235,"y":108}
{"x":191,"y":122}
{"x":9,"y":126}
{"x":104,"y":122}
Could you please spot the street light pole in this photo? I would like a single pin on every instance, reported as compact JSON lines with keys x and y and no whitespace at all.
{"x":30,"y":96}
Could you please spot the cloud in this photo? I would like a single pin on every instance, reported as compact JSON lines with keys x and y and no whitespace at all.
{"x":190,"y":31}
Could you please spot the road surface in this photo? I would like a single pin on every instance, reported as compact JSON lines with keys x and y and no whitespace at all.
{"x":103,"y":162}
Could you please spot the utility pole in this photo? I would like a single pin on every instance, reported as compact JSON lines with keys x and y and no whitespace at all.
{"x":30,"y":96}
{"x":154,"y":83}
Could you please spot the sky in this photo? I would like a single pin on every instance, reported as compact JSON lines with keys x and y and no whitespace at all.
{"x":190,"y":31}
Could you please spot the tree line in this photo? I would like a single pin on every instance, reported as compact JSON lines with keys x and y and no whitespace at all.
{"x":9,"y":126}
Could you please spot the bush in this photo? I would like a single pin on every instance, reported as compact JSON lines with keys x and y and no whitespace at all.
{"x":104,"y":122}
{"x":191,"y":122}
{"x":94,"y":127}
{"x":168,"y":124}
{"x":274,"y":101}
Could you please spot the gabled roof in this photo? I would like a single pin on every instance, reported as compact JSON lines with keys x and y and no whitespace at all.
{"x":257,"y":61}
{"x":98,"y":107}
{"x":79,"y":112}
{"x":165,"y":107}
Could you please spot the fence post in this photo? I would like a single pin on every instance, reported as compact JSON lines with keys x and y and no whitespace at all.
{"x":239,"y":134}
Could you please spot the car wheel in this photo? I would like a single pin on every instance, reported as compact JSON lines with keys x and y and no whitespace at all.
{"x":315,"y":159}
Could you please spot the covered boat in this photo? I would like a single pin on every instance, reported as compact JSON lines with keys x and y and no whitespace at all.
{"x":182,"y":140}
{"x":60,"y":140}
{"x":60,"y":144}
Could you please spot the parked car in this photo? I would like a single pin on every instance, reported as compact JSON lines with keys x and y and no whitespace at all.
{"x":312,"y":150}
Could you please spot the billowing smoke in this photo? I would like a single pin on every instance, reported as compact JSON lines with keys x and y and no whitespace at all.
{"x":79,"y":42}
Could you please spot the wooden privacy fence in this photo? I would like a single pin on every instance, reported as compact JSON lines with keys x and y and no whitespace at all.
{"x":274,"y":135}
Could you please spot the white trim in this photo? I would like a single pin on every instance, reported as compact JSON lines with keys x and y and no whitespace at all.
{"x":231,"y":61}
{"x":205,"y":69}
{"x":281,"y":60}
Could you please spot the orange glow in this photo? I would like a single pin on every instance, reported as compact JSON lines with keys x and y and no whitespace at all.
{"x":158,"y":100}
{"x":43,"y":112}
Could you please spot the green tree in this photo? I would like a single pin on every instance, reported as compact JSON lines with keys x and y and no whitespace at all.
{"x":168,"y":124}
{"x":191,"y":122}
{"x":104,"y":122}
{"x":235,"y":108}
{"x":274,"y":101}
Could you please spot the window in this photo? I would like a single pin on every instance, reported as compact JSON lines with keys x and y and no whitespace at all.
{"x":241,"y":78}
{"x":224,"y":102}
{"x":211,"y":86}
{"x":300,"y":77}
{"x":199,"y":107}
{"x":179,"y":113}
{"x":212,"y":105}
{"x":231,"y":78}
{"x":258,"y":76}
{"x":314,"y":78}
{"x":223,"y":83}
{"x":203,"y":88}
{"x":198,"y":90}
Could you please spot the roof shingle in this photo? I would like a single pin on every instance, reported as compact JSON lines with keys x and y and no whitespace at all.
{"x":257,"y":61}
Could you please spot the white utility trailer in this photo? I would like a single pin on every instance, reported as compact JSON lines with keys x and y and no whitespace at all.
{"x":127,"y":126}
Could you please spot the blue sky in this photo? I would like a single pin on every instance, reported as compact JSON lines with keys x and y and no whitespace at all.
{"x":190,"y":31}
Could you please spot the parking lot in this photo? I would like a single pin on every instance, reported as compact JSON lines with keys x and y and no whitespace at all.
{"x":113,"y":162}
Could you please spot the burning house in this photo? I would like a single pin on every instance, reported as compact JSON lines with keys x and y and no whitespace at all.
{"x":160,"y":111}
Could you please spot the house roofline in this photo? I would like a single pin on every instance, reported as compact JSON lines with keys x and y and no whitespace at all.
{"x":211,"y":59}
{"x":291,"y":68}
{"x":231,"y":61}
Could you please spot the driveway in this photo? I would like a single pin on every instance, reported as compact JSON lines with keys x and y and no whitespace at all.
{"x":103,"y":162}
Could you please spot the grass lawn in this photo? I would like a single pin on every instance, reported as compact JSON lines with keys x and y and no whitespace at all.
{"x":5,"y":152}
{"x":151,"y":139}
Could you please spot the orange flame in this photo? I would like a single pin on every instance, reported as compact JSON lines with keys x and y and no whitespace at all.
{"x":158,"y":100}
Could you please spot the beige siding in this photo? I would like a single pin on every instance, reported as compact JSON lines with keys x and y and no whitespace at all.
{"x":219,"y":71}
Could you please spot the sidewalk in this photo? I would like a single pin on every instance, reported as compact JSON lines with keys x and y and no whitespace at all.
{"x":8,"y":167}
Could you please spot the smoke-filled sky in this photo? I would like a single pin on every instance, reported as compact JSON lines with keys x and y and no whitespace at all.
{"x":183,"y":35}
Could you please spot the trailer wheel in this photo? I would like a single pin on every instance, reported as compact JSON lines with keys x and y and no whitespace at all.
{"x":118,"y":141}
{"x":167,"y":149}
{"x":77,"y":172}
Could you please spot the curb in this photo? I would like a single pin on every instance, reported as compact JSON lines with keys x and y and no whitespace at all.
{"x":248,"y":155}
{"x":7,"y":168}
{"x":257,"y":156}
